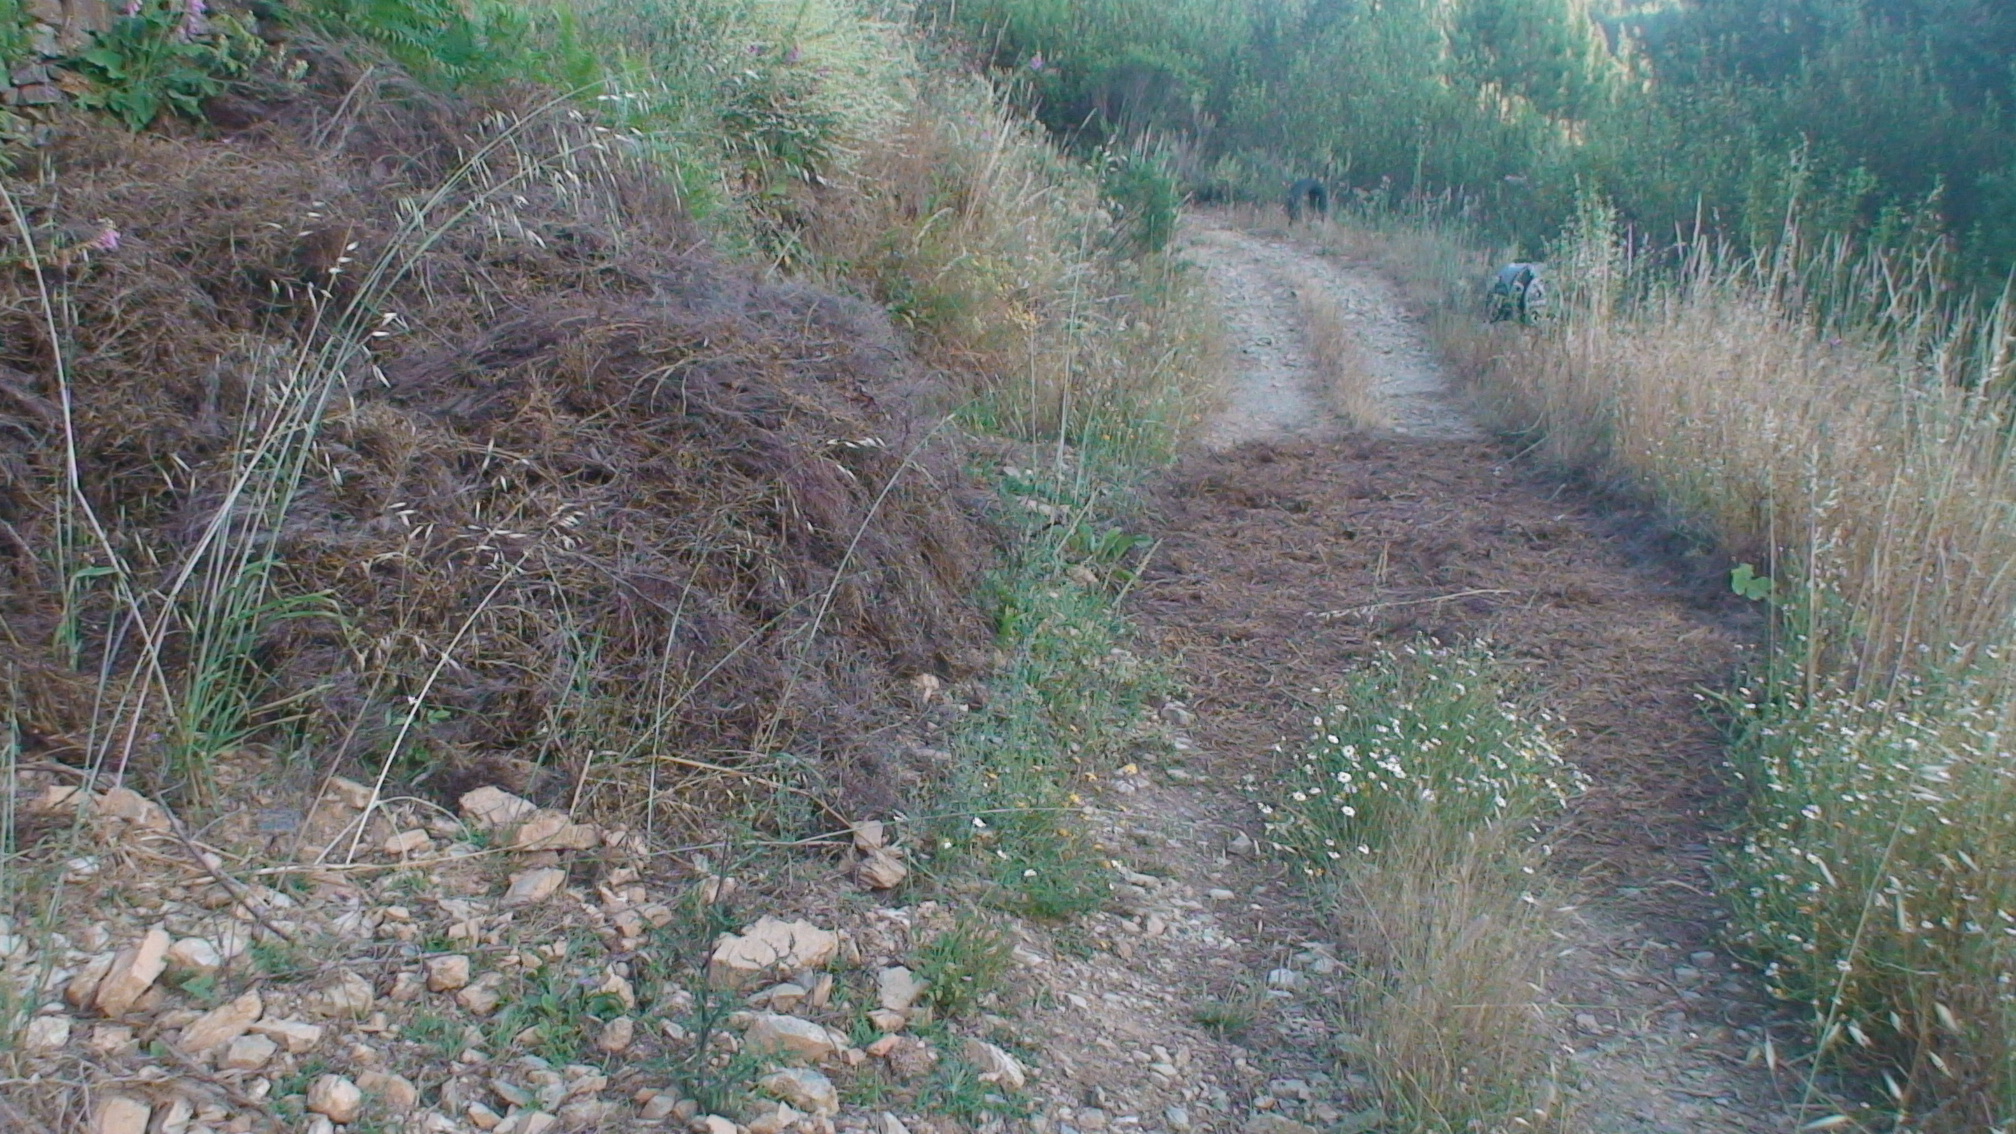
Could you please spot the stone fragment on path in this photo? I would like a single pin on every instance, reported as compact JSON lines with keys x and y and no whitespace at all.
{"x":299,"y":1037}
{"x":221,"y":1025}
{"x":121,"y":1114}
{"x":491,"y":806}
{"x":617,"y":1035}
{"x":805,"y":1089}
{"x":335,"y":1097}
{"x":46,"y":1033}
{"x":395,"y":1093}
{"x":533,"y":886}
{"x":996,"y":1065}
{"x":349,"y":996}
{"x":134,"y":970}
{"x":412,"y":841}
{"x":789,"y":1035}
{"x":770,"y":945}
{"x":896,"y":988}
{"x":880,"y":870}
{"x":248,"y":1053}
{"x":554,"y":830}
{"x":447,"y":973}
{"x":194,"y":955}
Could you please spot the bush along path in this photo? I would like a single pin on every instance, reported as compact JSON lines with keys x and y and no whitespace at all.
{"x":1433,"y":852}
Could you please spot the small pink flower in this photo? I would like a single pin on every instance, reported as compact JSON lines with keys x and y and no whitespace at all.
{"x":1036,"y":62}
{"x":106,"y":241}
{"x":132,"y":9}
{"x":193,"y":23}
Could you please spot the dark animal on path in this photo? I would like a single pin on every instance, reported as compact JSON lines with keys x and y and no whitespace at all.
{"x":1308,"y":195}
{"x":1517,"y":292}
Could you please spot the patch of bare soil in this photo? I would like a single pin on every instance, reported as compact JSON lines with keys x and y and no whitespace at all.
{"x":1290,"y":551}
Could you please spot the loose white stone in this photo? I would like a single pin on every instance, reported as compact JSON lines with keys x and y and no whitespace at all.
{"x":336,"y":1097}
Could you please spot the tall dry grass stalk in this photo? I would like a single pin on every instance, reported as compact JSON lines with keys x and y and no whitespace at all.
{"x":1449,"y":1002}
{"x":1879,"y":877}
{"x":997,"y":252}
{"x":1345,"y":372}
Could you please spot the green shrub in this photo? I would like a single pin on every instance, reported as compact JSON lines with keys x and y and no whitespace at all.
{"x":164,"y":57}
{"x":1145,"y":199}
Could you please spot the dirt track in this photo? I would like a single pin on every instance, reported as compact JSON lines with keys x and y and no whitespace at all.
{"x":1443,"y":535}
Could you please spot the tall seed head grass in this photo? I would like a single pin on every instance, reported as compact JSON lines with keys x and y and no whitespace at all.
{"x":998,"y":254}
{"x":1417,"y":803}
{"x":1852,"y":439}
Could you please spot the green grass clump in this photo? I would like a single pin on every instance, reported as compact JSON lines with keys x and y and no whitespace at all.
{"x":962,"y":965}
{"x":1059,"y":716}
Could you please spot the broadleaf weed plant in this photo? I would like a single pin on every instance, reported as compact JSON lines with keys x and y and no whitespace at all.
{"x":164,"y":56}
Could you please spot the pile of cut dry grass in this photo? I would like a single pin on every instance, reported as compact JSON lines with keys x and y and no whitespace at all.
{"x":417,"y":438}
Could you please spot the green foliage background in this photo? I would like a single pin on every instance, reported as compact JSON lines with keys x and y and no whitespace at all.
{"x":1860,"y":116}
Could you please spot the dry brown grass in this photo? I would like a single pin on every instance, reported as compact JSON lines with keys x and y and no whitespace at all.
{"x":428,"y":439}
{"x":990,"y":248}
{"x":1347,"y":375}
{"x":1450,"y":1002}
{"x":1877,"y":493}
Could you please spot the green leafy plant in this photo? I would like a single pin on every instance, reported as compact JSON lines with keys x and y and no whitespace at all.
{"x":456,"y":43}
{"x":1745,"y":581}
{"x":1144,"y":198}
{"x":963,"y":964}
{"x":161,"y":57}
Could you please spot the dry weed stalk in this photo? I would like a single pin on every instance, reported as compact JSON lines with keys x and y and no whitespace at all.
{"x":1346,"y":374}
{"x":1450,"y":1000}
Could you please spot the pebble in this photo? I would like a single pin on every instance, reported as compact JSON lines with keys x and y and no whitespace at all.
{"x":47,"y":1033}
{"x":221,"y":1025}
{"x":1220,"y":895}
{"x":446,"y":974}
{"x":249,"y":1053}
{"x":121,"y":1114}
{"x":337,"y":1097}
{"x":533,"y":886}
{"x":806,"y":1089}
{"x":133,"y":971}
{"x":617,"y":1035}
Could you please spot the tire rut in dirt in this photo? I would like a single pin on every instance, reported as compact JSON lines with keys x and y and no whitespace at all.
{"x":1283,"y":565}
